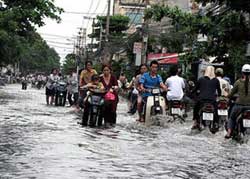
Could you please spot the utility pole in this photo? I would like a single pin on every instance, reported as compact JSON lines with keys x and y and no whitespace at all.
{"x":105,"y":54}
{"x":77,"y":58}
{"x":92,"y":39}
{"x":108,"y":20}
{"x":145,"y":37}
{"x":100,"y":44}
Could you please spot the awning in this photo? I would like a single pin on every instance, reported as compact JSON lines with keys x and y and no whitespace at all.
{"x":164,"y":58}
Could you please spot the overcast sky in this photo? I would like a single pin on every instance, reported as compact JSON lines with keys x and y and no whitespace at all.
{"x":59,"y":35}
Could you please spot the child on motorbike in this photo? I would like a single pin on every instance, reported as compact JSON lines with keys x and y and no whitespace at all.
{"x":95,"y":84}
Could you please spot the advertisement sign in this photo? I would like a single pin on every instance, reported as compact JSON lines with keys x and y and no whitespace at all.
{"x":137,"y":47}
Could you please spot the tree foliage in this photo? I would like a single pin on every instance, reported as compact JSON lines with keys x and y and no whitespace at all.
{"x":225,"y":23}
{"x":18,"y":40}
{"x":69,"y":64}
{"x":117,"y":28}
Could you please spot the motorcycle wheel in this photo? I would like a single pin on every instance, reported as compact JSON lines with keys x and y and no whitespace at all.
{"x":85,"y":118}
{"x":238,"y":132}
{"x":226,"y":125}
{"x":100,"y":119}
{"x":212,"y":127}
{"x":60,"y":101}
{"x":56,"y":100}
{"x":92,"y":120}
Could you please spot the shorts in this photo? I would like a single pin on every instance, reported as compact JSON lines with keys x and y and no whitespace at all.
{"x":50,"y":92}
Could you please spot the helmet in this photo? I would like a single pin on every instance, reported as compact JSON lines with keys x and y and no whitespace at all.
{"x":245,"y":68}
{"x":219,"y":71}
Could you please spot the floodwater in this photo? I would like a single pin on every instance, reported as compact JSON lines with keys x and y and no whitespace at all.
{"x":44,"y":142}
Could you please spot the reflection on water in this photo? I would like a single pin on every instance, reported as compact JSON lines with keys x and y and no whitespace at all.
{"x":38,"y":141}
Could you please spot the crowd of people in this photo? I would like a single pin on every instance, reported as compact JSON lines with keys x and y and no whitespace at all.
{"x":210,"y":87}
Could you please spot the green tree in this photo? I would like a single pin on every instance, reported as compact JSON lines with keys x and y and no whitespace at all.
{"x":225,"y":28}
{"x":117,"y":33}
{"x":18,"y":22}
{"x":38,"y":56}
{"x":69,"y":64}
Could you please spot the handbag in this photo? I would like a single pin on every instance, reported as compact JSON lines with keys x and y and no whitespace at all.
{"x":109,"y":96}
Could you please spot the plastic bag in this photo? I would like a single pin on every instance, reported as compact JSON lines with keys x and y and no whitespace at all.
{"x":109,"y":96}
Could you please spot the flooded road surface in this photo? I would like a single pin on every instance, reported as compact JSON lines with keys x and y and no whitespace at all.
{"x":37,"y":141}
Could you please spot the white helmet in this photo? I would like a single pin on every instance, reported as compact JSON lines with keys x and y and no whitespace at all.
{"x":246,"y":68}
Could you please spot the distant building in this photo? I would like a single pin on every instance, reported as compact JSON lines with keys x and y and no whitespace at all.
{"x":134,"y":9}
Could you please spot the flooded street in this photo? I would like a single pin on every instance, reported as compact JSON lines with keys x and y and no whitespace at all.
{"x":39,"y":141}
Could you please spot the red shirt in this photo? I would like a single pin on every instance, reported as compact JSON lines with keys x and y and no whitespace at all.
{"x":112,"y":82}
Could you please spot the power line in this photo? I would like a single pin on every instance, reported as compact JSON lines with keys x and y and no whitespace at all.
{"x":87,"y":12}
{"x":63,"y":43}
{"x":83,"y":13}
{"x":98,"y":3}
{"x":60,"y":46}
{"x":55,"y":35}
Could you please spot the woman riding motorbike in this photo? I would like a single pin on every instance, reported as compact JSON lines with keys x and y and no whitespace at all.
{"x":206,"y":87}
{"x":110,"y":84}
{"x":242,"y":88}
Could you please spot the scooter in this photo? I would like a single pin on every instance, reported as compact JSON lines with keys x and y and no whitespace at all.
{"x":155,"y":105}
{"x":222,"y":111}
{"x":92,"y":115}
{"x":242,"y":126}
{"x":207,"y":116}
{"x":176,"y":109}
{"x":39,"y":84}
{"x":24,"y":84}
{"x":61,"y":91}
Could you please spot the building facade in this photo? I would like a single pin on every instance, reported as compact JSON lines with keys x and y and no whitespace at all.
{"x":134,"y":9}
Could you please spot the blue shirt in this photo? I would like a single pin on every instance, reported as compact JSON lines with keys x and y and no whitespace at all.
{"x":150,"y":82}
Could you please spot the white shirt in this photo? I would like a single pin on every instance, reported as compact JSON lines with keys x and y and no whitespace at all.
{"x":224,"y":86}
{"x":73,"y":83}
{"x":51,"y":80}
{"x":175,"y":86}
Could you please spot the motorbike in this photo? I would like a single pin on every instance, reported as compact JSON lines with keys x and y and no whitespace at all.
{"x":61,"y":92}
{"x":24,"y":85}
{"x":176,"y":109}
{"x":155,"y":105}
{"x":242,"y":126}
{"x":39,"y":84}
{"x":222,"y":111}
{"x":92,"y":115}
{"x":207,"y":116}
